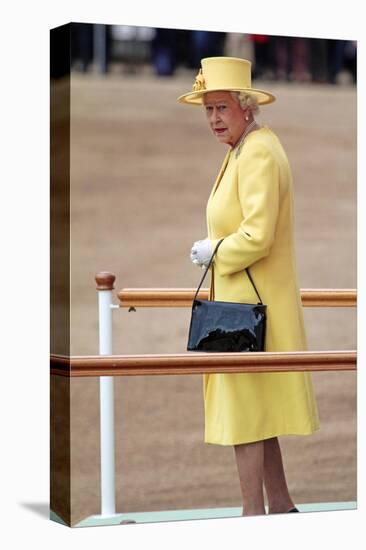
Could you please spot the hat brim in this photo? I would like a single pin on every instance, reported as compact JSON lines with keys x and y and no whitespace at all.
{"x":195,"y":98}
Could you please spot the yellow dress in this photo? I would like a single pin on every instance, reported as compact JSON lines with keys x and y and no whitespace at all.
{"x":251,"y":206}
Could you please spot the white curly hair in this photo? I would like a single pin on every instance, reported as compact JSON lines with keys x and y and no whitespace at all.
{"x":246,"y":101}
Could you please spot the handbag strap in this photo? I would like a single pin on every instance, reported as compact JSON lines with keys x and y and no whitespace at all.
{"x":208,"y":267}
{"x":255,"y":288}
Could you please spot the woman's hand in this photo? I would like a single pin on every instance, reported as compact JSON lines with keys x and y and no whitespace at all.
{"x":201,"y":252}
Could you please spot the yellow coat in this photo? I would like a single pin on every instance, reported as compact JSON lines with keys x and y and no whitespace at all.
{"x":251,"y":205}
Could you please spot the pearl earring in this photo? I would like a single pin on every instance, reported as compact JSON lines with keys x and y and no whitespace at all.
{"x":247,"y":118}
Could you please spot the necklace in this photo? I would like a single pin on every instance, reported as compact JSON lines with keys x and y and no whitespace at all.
{"x":252,"y":126}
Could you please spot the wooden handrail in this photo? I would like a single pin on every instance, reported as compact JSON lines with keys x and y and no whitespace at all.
{"x":183,"y":297}
{"x":199,"y":363}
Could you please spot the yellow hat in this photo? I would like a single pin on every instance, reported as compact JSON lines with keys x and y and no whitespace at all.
{"x":224,"y":74}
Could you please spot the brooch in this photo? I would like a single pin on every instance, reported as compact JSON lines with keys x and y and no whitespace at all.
{"x":199,"y":83}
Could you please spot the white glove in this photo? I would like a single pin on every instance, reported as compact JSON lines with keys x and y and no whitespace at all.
{"x":201,"y":253}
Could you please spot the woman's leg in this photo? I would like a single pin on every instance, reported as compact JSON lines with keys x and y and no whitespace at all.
{"x":279,"y":499}
{"x":250,"y":463}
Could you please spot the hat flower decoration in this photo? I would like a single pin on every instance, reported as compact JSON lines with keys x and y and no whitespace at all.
{"x":199,"y":83}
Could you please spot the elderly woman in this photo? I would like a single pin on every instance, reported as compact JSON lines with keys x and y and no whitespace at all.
{"x":251,"y":207}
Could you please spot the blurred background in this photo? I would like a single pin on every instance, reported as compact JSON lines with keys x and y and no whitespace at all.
{"x":164,"y":52}
{"x":142,"y":167}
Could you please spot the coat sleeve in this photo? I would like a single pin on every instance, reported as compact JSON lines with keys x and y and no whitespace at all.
{"x":258,"y":190}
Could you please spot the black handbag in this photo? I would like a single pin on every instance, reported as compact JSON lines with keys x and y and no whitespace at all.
{"x":226,"y":326}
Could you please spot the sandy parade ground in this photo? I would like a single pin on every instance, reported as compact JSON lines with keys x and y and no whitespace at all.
{"x":142,"y":167}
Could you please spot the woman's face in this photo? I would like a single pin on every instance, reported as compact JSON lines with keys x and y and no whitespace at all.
{"x":225,"y":116}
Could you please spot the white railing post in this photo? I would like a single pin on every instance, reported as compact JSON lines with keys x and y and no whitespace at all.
{"x":105,"y":285}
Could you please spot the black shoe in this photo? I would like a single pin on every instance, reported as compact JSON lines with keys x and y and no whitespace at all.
{"x":293,"y":510}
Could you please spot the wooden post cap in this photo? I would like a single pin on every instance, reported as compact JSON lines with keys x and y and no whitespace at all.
{"x":105,"y":280}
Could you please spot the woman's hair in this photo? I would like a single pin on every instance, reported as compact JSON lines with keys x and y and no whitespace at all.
{"x":246,"y":101}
